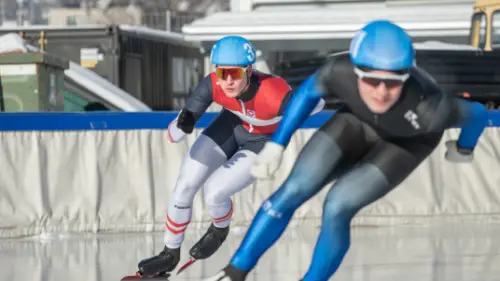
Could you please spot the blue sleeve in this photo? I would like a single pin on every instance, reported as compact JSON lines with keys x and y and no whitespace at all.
{"x":298,"y":109}
{"x":473,"y":120}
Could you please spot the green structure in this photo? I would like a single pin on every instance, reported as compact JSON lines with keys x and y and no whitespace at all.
{"x":74,"y":103}
{"x":32,"y":82}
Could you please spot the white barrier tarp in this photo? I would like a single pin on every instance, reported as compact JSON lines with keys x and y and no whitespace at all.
{"x":119,"y":181}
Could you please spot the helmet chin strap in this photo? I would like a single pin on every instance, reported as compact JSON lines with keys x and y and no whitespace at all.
{"x":249,"y":74}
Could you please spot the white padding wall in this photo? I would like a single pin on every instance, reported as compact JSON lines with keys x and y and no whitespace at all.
{"x":121,"y":180}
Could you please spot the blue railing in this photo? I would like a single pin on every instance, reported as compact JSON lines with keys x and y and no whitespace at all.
{"x":48,"y":121}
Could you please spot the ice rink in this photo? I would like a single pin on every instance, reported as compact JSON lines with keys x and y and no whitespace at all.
{"x":462,"y":252}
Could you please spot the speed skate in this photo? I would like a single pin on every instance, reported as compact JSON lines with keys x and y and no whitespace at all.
{"x":137,"y":276}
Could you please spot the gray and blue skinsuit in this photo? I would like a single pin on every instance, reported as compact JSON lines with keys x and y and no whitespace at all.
{"x":367,"y":154}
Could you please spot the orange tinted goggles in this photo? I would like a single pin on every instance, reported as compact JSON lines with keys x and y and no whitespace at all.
{"x":234,"y":72}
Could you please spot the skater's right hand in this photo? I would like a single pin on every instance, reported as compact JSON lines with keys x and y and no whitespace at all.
{"x":268,"y":160}
{"x":181,"y":126}
{"x":455,"y":154}
{"x":174,"y":133}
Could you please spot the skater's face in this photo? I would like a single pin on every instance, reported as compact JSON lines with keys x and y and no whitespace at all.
{"x":233,"y":80}
{"x":380,"y":89}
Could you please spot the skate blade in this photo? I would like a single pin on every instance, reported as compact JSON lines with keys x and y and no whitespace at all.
{"x":186,"y":265}
{"x":137,"y":276}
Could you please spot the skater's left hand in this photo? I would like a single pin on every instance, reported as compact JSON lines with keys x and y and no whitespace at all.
{"x":268,"y":160}
{"x":457,"y":155}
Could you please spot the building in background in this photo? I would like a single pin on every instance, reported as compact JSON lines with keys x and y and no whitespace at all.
{"x":135,"y":45}
{"x":159,"y":14}
{"x":286,"y":30}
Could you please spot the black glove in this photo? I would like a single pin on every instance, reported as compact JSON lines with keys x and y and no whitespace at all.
{"x":186,"y":121}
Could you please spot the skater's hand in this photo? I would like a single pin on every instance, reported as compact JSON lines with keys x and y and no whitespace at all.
{"x":174,"y":133}
{"x":268,"y":160}
{"x":457,"y":155}
{"x":186,"y":121}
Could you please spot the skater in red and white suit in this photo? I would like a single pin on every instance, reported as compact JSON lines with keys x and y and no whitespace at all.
{"x":221,"y":157}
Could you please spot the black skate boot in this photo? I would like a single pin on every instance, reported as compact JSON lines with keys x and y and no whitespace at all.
{"x":229,"y":273}
{"x":206,"y":246}
{"x":159,"y":265}
{"x":209,"y":243}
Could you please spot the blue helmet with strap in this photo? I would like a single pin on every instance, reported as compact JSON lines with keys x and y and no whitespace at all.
{"x":233,"y":51}
{"x":382,"y":45}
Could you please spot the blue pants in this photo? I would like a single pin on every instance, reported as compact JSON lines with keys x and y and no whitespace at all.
{"x":374,"y":166}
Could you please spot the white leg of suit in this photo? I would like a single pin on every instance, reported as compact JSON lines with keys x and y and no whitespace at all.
{"x":204,"y":157}
{"x":228,"y":179}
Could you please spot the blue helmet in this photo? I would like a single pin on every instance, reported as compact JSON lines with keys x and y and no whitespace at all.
{"x":233,"y":51}
{"x":382,"y":45}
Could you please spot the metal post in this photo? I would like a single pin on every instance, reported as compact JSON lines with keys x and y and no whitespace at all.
{"x":168,"y":20}
{"x":3,"y":12}
{"x":31,"y":12}
{"x":87,"y":8}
